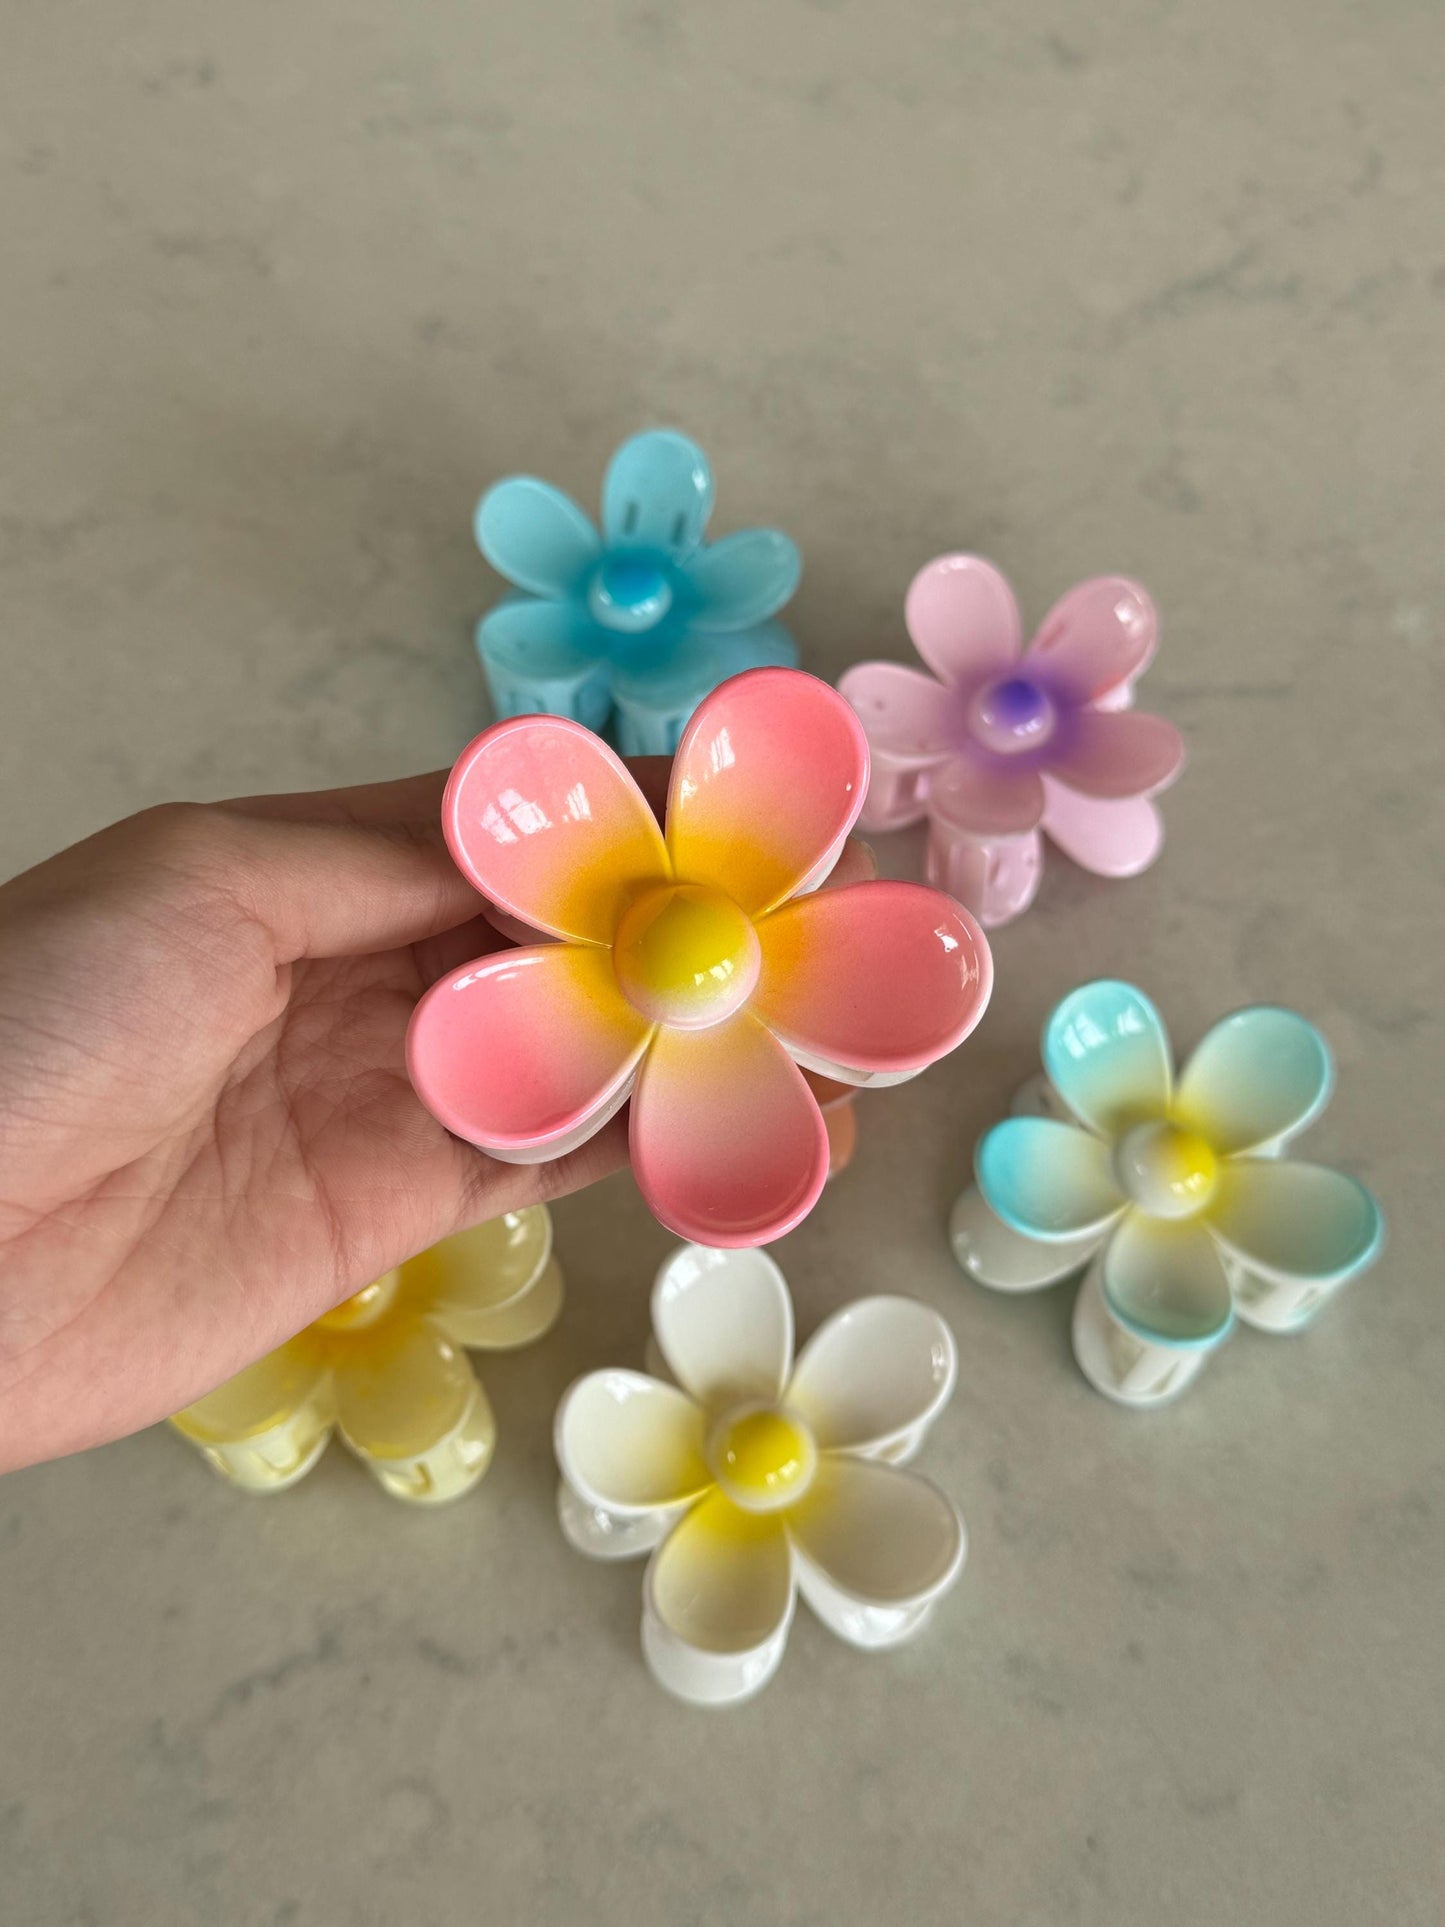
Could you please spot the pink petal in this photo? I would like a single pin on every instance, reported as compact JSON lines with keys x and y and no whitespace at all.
{"x":528,"y":1051}
{"x":768,"y":779}
{"x":976,"y":800}
{"x":1113,"y":838}
{"x":728,"y":1144}
{"x":1116,"y":753}
{"x":1099,"y":635}
{"x":904,"y":712}
{"x":880,"y":977}
{"x":963,"y":619}
{"x":546,"y":821}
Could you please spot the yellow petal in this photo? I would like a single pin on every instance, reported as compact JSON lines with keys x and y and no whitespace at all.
{"x":401,"y":1389}
{"x":494,"y":1286}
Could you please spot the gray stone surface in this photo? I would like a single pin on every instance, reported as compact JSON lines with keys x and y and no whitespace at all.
{"x":1153,"y":287}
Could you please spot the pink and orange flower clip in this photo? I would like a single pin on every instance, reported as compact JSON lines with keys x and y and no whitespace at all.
{"x":698,"y":973}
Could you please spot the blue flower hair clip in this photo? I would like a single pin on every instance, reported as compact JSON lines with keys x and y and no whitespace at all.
{"x":633,"y":627}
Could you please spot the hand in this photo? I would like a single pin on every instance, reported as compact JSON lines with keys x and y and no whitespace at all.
{"x":207,"y":1134}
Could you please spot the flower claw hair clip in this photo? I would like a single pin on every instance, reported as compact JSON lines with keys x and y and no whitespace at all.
{"x":999,"y":745}
{"x":697,"y":973}
{"x":750,"y":1477}
{"x":387,"y":1369}
{"x":1176,"y":1195}
{"x":634,"y":625}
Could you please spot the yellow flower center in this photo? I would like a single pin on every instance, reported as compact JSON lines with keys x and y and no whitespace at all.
{"x":362,"y":1308}
{"x":762,"y":1458}
{"x":686,"y":955}
{"x":1167,"y":1171}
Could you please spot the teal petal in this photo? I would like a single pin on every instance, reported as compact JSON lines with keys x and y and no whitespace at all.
{"x":536,"y":536}
{"x":742,"y":579}
{"x":1107,"y":1055}
{"x":1167,"y":1283}
{"x":1259,"y":1075}
{"x":691,"y":666}
{"x":544,"y":656}
{"x":657,"y":494}
{"x":1295,"y":1222}
{"x":1047,"y":1180}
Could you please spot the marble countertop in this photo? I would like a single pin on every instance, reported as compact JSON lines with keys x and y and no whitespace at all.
{"x":1156,"y":288}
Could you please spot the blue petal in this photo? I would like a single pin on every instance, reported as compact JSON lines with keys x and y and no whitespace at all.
{"x":536,"y":536}
{"x":1294,"y":1222}
{"x":544,"y":656}
{"x":1107,"y":1055}
{"x":743,"y":579}
{"x":688,"y":667}
{"x":656,"y":693}
{"x":1166,"y":1284}
{"x":1047,"y":1180}
{"x":1260,"y":1075}
{"x":657,"y":494}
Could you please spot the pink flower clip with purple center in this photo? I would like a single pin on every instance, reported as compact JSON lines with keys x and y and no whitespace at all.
{"x":1000,"y":744}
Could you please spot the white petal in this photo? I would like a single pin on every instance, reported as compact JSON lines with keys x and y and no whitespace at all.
{"x":724,"y":1323}
{"x":1260,"y":1075}
{"x":601,"y":1534}
{"x":884,"y":1538}
{"x":629,"y":1444}
{"x":1284,"y":1219}
{"x":877,"y":1372}
{"x":722,"y":1580}
{"x":1004,"y":1259}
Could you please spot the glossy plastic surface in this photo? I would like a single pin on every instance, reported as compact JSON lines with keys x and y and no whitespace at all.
{"x":628,"y":629}
{"x":750,"y":1477}
{"x":388,"y":1370}
{"x":999,"y":745}
{"x":1175,"y":1193}
{"x":700,"y":973}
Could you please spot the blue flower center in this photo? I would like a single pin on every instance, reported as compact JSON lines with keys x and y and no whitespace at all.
{"x":1011,"y":715}
{"x":629,"y":593}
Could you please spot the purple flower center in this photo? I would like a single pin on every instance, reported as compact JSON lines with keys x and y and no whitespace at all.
{"x":1012,"y":715}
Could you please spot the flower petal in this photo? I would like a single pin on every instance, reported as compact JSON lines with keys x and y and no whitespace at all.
{"x":489,"y":1286}
{"x":1117,"y":752}
{"x":1288,"y":1220}
{"x":601,"y":1534}
{"x":728,"y":1144}
{"x":1165,"y":1282}
{"x":655,"y":698}
{"x":1107,"y":1055}
{"x":657,"y":494}
{"x":905,"y":713}
{"x":722,"y":1580}
{"x":878,"y":977}
{"x":876,"y":1371}
{"x":975,"y":799}
{"x":259,"y":1398}
{"x":963,"y":619}
{"x":1102,"y":633}
{"x":881,"y":1535}
{"x":547,"y":822}
{"x":742,"y":579}
{"x":400,"y":1388}
{"x":629,"y":1443}
{"x":768,"y":779}
{"x":724,"y":1322}
{"x":522,"y":1051}
{"x":1259,"y":1075}
{"x":544,"y":655}
{"x":536,"y":536}
{"x":1047,"y":1180}
{"x":1004,"y":1259}
{"x":1117,"y":837}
